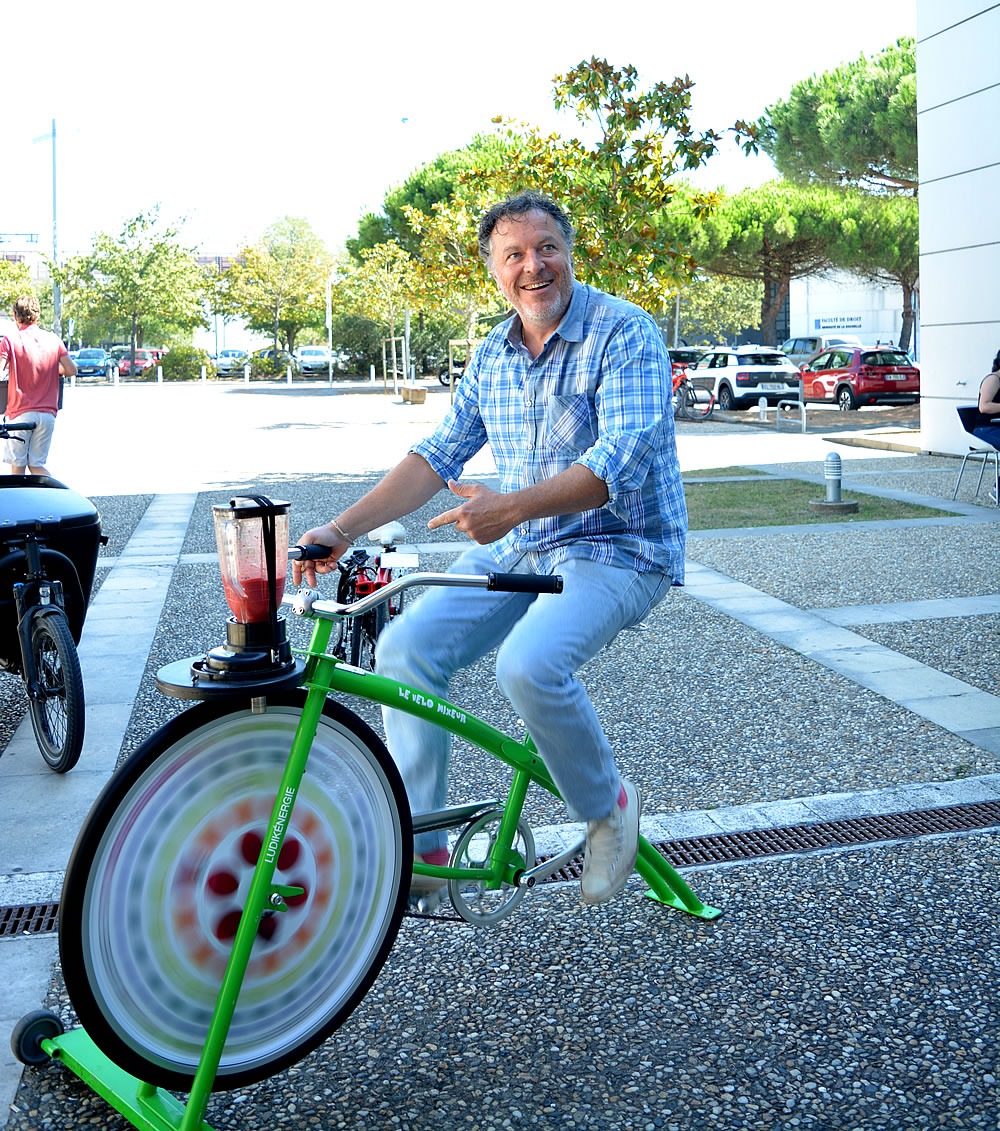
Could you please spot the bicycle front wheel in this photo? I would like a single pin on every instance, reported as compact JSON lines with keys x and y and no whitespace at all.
{"x":58,"y":712}
{"x":159,"y":875}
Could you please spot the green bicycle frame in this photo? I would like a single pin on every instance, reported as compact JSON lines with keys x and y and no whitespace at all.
{"x":152,"y":1109}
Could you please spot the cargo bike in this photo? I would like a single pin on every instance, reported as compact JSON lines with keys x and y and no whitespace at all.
{"x":49,"y":541}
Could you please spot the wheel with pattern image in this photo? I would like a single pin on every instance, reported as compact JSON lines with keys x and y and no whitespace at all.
{"x":161,"y":869}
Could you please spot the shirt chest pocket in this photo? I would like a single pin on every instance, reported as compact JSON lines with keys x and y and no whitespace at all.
{"x":570,"y":423}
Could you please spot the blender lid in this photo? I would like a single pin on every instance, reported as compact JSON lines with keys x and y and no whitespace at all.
{"x":250,"y":506}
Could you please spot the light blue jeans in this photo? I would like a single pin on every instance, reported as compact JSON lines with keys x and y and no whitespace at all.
{"x":543,"y":641}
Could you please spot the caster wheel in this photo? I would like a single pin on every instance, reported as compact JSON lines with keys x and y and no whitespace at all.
{"x":30,"y":1031}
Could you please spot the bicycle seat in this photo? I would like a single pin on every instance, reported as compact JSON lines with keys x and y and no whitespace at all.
{"x":388,"y":535}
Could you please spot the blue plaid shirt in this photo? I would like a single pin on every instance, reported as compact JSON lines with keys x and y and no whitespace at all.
{"x":599,"y":394}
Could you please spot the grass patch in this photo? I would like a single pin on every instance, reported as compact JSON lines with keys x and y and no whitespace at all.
{"x":781,"y":502}
{"x":722,"y":472}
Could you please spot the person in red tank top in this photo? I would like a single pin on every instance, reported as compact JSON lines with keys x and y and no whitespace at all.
{"x":33,"y":359}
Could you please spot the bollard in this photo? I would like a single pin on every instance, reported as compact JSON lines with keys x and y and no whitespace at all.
{"x":762,"y":407}
{"x":832,"y":475}
{"x":833,"y":503}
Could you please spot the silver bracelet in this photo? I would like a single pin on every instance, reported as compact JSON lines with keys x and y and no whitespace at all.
{"x":340,"y":530}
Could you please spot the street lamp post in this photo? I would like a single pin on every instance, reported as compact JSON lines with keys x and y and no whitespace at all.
{"x":56,"y":292}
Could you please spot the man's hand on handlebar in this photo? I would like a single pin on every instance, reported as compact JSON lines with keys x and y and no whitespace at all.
{"x":322,"y":537}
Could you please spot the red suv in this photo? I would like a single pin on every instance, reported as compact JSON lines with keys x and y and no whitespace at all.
{"x":861,"y":375}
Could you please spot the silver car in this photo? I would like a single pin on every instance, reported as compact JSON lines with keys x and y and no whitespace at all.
{"x":230,"y":361}
{"x":312,"y":359}
{"x":799,"y":350}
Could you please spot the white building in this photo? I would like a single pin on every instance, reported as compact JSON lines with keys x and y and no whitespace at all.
{"x":842,"y":302}
{"x":958,"y":108}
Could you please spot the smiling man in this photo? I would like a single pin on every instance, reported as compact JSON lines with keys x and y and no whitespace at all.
{"x":573,"y":394}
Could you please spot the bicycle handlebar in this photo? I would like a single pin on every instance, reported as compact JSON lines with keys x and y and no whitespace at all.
{"x":314,"y":552}
{"x":6,"y":429}
{"x":307,"y":601}
{"x":495,"y":582}
{"x":524,"y":583}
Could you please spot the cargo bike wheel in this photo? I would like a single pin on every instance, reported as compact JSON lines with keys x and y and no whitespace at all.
{"x":156,"y":883}
{"x":56,"y":706}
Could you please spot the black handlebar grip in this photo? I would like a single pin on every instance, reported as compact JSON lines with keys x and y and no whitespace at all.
{"x":525,"y":583}
{"x":314,"y":552}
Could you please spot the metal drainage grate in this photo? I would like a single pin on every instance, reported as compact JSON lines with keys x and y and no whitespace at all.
{"x":687,"y":852}
{"x":31,"y":919}
{"x":754,"y":843}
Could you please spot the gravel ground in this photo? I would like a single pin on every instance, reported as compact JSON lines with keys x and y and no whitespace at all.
{"x":851,"y":989}
{"x":847,"y":990}
{"x":817,"y":569}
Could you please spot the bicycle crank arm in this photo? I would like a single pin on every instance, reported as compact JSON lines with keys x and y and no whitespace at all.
{"x":549,"y":867}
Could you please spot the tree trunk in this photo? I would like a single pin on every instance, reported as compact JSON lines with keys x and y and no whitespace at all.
{"x":775,"y":293}
{"x":909,"y":317}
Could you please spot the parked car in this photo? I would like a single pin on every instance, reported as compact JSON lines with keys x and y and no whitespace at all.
{"x":799,"y":350}
{"x":142,"y":361}
{"x":682,"y":357}
{"x":230,"y":361}
{"x":312,"y":359}
{"x":271,"y":361}
{"x":741,"y":375}
{"x":862,"y":375}
{"x":93,"y":364}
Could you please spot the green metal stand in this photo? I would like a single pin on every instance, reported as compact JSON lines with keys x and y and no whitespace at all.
{"x":143,"y":1105}
{"x":666,"y":885}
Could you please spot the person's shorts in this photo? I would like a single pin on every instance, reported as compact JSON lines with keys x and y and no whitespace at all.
{"x":34,"y":448}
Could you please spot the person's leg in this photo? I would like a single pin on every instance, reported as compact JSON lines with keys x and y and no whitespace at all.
{"x":446,"y":629}
{"x":536,"y":669}
{"x":39,"y":442}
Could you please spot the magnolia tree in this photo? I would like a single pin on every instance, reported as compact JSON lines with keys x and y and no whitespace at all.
{"x":618,"y":186}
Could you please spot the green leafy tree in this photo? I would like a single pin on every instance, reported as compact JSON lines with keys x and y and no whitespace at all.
{"x":140,"y":277}
{"x":771,"y":235}
{"x":278,"y":286}
{"x":618,"y":188}
{"x":382,"y":288}
{"x":880,"y":240}
{"x":854,"y":125}
{"x":715,"y":308}
{"x":433,"y":184}
{"x":450,"y":274}
{"x":15,"y":280}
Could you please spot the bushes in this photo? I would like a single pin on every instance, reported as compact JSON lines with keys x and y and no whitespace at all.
{"x":183,"y":363}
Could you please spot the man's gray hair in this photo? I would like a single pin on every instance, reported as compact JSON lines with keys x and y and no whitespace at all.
{"x":515,"y":208}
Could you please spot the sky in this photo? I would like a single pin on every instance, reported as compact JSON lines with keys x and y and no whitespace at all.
{"x":229,"y":116}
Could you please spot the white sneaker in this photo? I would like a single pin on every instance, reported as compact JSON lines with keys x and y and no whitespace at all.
{"x":612,"y":847}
